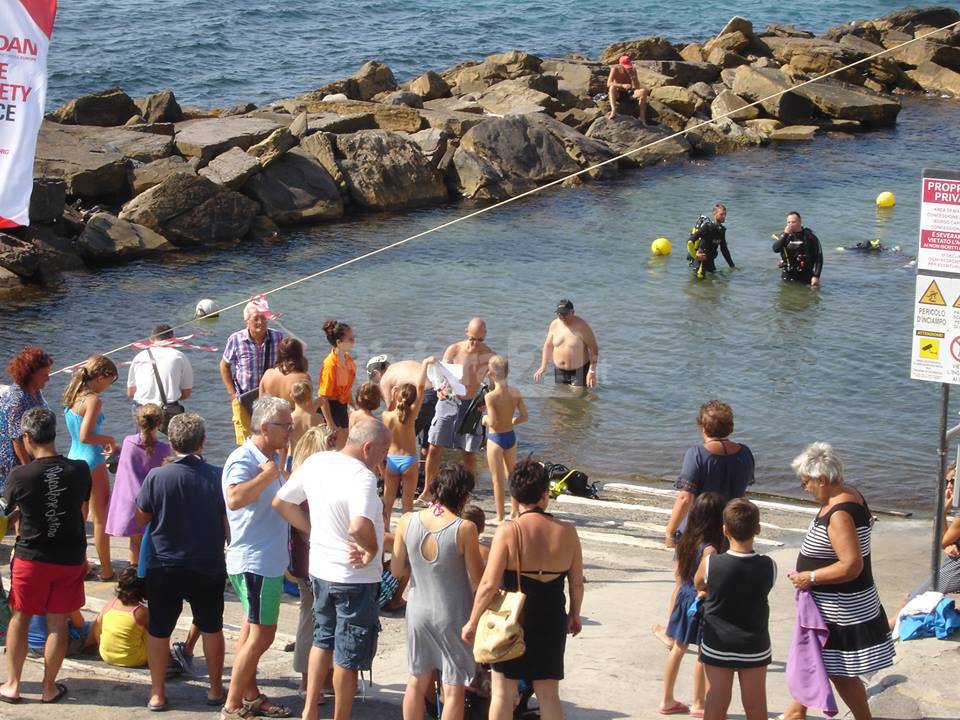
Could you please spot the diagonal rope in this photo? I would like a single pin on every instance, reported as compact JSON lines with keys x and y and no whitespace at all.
{"x":541,"y":188}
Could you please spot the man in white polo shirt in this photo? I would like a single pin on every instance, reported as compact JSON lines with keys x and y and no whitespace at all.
{"x":172,"y":368}
{"x":345,"y":523}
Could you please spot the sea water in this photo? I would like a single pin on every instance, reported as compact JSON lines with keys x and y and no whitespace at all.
{"x":796,"y":365}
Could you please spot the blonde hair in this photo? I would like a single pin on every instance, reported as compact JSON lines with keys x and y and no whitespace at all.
{"x":499,"y":367}
{"x":316,"y":439}
{"x":96,"y":366}
{"x":301,"y":391}
{"x":149,"y":420}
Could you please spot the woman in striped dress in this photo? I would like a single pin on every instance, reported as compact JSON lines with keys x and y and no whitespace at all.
{"x":834,"y":565}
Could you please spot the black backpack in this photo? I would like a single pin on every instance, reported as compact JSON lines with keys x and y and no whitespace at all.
{"x":571,"y":482}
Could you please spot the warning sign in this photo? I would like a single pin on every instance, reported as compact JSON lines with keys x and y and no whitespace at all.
{"x":936,"y":325}
{"x":932,"y":295}
{"x":929,"y":348}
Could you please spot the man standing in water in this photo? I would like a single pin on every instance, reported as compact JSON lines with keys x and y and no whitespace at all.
{"x":474,"y":355}
{"x":707,"y":240}
{"x":622,"y":84}
{"x":248,"y":354}
{"x":574,"y":349}
{"x":799,"y":248}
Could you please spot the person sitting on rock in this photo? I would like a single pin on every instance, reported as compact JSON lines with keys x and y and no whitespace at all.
{"x":622,"y":84}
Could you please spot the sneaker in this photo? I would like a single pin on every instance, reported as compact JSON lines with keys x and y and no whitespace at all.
{"x":179,"y":653}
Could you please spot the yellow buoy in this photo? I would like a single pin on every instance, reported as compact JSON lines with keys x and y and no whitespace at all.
{"x":661,"y":246}
{"x":886,"y":200}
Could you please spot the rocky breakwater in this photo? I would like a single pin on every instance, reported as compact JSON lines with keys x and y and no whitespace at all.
{"x":119,"y":178}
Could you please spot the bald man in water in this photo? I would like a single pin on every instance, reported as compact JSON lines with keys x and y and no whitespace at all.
{"x":474,"y":355}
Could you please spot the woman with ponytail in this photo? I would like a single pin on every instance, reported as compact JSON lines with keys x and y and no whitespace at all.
{"x":335,"y":385}
{"x":139,"y":454}
{"x":403,"y":459}
{"x":81,"y":408}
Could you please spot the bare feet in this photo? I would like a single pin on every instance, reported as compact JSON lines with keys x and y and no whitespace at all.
{"x":612,"y":115}
{"x":660,"y":633}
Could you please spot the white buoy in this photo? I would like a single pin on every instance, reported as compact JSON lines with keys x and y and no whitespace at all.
{"x":207,"y":308}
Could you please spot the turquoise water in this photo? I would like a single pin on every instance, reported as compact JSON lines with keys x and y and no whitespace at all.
{"x":796,"y":365}
{"x":223,"y":53}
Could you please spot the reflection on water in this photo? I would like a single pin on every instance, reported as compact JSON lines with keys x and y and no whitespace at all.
{"x":796,"y":365}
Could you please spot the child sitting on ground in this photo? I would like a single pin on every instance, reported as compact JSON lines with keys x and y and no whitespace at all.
{"x":702,"y":538}
{"x":734,"y":633}
{"x":79,"y":635}
{"x":122,"y":624}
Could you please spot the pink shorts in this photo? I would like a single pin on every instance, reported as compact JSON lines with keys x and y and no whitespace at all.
{"x":38,"y":588}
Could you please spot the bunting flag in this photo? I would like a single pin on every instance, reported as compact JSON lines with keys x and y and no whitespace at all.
{"x":175,"y":342}
{"x":25,"y":30}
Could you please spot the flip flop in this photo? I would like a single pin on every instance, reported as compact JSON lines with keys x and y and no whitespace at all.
{"x":61,"y":694}
{"x":157,"y":708}
{"x":11,"y":700}
{"x":678,"y":708}
{"x":217,"y":702}
{"x":696,"y":713}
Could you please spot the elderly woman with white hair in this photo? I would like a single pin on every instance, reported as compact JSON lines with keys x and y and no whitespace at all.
{"x":248,"y":354}
{"x":834,"y":566}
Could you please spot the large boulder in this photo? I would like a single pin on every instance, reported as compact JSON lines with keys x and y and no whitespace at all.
{"x":374,"y":78}
{"x":583,"y":79}
{"x":773,"y":87}
{"x":430,"y":86}
{"x":271,"y":148}
{"x":514,"y":97}
{"x":921,"y":51}
{"x":349,"y":123}
{"x":679,"y":99}
{"x":454,"y":124}
{"x":502,"y":157}
{"x":516,"y":62}
{"x":836,"y":100}
{"x":322,"y":147}
{"x":722,"y":136}
{"x":160,"y":107}
{"x":190,"y":210}
{"x":433,"y":144}
{"x":909,"y":19}
{"x":933,"y":78}
{"x":624,"y":133}
{"x":47,"y":199}
{"x":207,"y":138}
{"x":231,"y":169}
{"x":88,"y":169}
{"x":648,"y":48}
{"x":794,"y":133}
{"x":387,"y":171}
{"x":584,"y":151}
{"x":105,"y":108}
{"x":57,"y":251}
{"x":296,"y":189}
{"x":385,"y":117}
{"x":107,"y":238}
{"x":454,"y":104}
{"x":682,"y":72}
{"x":18,"y":256}
{"x":474,"y":77}
{"x":403,"y":97}
{"x":146,"y":176}
{"x":732,"y":41}
{"x":729,"y":104}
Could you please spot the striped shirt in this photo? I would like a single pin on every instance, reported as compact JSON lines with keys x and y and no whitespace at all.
{"x":249,"y":361}
{"x":859,"y":640}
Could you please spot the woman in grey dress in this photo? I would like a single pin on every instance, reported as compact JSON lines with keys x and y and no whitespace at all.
{"x":442,"y":553}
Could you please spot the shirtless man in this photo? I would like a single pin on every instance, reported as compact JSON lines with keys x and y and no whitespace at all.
{"x":474,"y":355}
{"x":505,"y":410}
{"x":573,"y":347}
{"x":622,"y":84}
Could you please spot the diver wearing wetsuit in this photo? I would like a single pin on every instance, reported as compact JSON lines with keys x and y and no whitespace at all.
{"x":707,"y":241}
{"x":800,"y":252}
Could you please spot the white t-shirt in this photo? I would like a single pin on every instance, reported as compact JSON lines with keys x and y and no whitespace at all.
{"x":337,"y":488}
{"x":175,"y":373}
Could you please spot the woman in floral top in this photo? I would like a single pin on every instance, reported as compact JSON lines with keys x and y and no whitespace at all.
{"x":30,"y":371}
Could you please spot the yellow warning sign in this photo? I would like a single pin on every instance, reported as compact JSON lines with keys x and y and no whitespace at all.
{"x":956,"y":303}
{"x":932,"y":295}
{"x":929,"y":349}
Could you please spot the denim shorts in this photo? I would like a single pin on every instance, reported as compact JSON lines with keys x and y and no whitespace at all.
{"x":347,"y":621}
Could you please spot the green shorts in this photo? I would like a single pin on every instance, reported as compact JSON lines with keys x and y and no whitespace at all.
{"x":259,"y":595}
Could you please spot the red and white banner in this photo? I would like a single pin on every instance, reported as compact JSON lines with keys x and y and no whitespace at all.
{"x":25,"y":30}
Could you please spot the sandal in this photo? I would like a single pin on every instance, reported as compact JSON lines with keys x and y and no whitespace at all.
{"x":241,"y":712}
{"x":61,"y":694}
{"x":678,"y":708}
{"x":255,"y":707}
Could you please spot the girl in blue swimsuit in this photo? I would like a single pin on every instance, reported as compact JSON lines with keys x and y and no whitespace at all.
{"x":81,"y":409}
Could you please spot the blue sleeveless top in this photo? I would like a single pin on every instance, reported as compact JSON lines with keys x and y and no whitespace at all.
{"x":92,"y":455}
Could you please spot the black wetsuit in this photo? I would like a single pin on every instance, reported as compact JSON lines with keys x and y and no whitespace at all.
{"x":802,"y":256}
{"x":711,"y":238}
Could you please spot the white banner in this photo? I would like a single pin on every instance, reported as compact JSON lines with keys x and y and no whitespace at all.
{"x":25,"y":30}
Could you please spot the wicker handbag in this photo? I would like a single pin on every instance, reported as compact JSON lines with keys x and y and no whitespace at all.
{"x":500,"y":631}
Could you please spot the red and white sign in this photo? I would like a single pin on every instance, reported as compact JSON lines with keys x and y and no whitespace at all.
{"x":25,"y":30}
{"x":940,"y":226}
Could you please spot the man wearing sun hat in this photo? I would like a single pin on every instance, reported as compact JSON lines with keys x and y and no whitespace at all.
{"x":622,"y":84}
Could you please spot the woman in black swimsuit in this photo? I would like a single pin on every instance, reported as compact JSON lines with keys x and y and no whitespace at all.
{"x":549,"y":551}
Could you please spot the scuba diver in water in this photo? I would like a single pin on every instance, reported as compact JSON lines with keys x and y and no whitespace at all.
{"x":800,"y":252}
{"x":869,"y":246}
{"x":707,"y":240}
